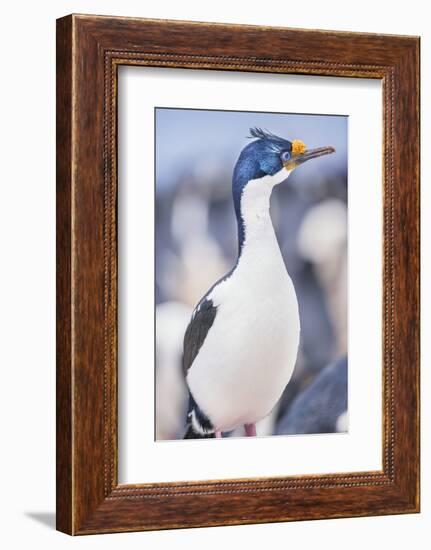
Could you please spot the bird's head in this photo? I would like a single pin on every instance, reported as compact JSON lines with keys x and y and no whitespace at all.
{"x":265,"y":162}
{"x":273,"y":156}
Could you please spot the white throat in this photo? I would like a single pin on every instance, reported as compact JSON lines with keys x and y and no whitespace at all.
{"x":255,"y":202}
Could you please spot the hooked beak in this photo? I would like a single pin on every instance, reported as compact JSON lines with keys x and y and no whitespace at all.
{"x":313,"y":154}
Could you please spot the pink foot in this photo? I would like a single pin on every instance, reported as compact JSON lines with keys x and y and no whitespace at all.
{"x":250,"y":430}
{"x":218,"y":434}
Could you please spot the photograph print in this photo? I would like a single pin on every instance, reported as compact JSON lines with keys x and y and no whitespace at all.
{"x":251,"y":274}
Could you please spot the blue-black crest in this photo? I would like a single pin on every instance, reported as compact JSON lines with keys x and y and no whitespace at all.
{"x":272,"y":142}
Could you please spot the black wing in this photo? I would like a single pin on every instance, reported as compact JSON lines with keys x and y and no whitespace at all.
{"x":201,"y":321}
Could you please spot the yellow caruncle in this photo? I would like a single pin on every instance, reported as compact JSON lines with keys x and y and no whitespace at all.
{"x":298,"y":147}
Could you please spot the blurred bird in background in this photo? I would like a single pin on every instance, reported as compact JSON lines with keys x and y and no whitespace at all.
{"x":326,"y":393}
{"x":196,"y":244}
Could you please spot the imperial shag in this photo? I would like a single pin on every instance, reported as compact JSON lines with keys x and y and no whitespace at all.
{"x":241,"y":344}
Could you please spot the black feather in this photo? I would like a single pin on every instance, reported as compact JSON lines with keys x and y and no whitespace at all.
{"x":206,"y":428}
{"x":201,"y":321}
{"x":191,"y":434}
{"x":259,"y":133}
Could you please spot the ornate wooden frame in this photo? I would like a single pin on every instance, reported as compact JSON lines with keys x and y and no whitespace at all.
{"x":89,"y":51}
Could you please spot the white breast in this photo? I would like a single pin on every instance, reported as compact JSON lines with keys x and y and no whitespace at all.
{"x":249,"y":353}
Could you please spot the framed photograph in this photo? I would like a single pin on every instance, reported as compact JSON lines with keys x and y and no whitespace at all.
{"x":237,"y":274}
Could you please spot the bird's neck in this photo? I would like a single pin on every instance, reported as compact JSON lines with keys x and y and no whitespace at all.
{"x":253,"y":215}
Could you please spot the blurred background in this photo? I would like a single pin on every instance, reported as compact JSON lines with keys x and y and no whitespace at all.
{"x":196,"y":244}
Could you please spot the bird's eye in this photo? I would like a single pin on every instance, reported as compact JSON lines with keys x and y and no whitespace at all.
{"x":285,"y":156}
